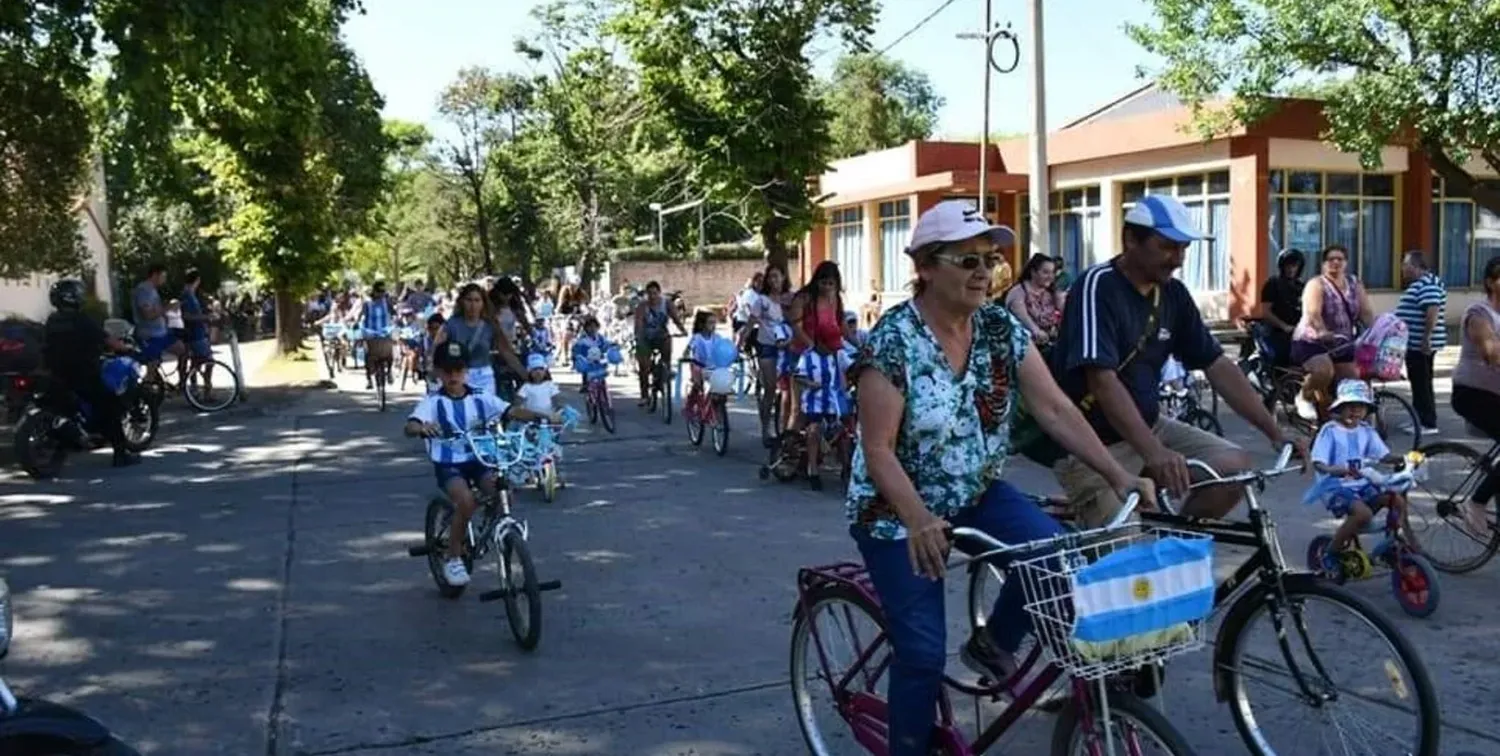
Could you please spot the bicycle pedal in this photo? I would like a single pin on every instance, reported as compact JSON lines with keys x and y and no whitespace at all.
{"x":549,"y":585}
{"x":495,"y":595}
{"x":419,"y":551}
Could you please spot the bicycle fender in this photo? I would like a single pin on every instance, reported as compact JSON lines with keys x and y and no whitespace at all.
{"x":1234,"y":622}
{"x":36,"y":719}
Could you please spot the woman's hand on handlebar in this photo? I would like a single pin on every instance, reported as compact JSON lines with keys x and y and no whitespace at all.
{"x":927,"y":544}
{"x":1146,"y":487}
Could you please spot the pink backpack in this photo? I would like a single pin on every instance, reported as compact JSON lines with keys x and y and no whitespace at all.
{"x":1380,"y":352}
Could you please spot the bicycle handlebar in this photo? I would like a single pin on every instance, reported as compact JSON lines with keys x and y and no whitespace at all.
{"x":994,"y":545}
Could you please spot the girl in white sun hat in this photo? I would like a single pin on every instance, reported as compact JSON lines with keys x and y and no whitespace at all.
{"x":1342,"y":445}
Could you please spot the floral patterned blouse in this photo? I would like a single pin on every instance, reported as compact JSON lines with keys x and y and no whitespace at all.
{"x":955,"y":432}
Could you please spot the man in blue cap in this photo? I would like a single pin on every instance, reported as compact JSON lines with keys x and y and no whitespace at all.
{"x":1122,"y":320}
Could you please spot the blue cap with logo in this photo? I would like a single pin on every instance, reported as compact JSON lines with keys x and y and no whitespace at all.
{"x":1166,"y":216}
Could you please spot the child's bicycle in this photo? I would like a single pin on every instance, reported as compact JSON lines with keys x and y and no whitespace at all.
{"x":1185,"y":403}
{"x":597,"y":403}
{"x":335,"y":348}
{"x":540,"y":454}
{"x":492,"y":530}
{"x":708,"y":408}
{"x":1413,"y":579}
{"x":409,"y":341}
{"x":787,"y":457}
{"x":841,"y":649}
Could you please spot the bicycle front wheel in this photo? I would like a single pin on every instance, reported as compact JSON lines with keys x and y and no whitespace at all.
{"x":1397,"y":422}
{"x":1380,"y":699}
{"x":523,"y":595}
{"x":210,"y":386}
{"x":1435,"y":509}
{"x":1133,"y":726}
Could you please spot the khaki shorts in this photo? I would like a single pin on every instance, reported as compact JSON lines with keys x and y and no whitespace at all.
{"x":1095,"y":500}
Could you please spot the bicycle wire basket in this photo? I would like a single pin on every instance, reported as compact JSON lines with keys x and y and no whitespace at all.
{"x":1115,"y":602}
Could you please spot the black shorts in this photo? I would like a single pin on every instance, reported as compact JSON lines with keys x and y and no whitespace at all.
{"x":1302,"y":351}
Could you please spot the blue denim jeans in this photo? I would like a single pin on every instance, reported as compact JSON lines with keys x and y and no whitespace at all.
{"x":916,"y":619}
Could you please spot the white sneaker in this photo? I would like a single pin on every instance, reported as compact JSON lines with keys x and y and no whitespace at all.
{"x":455,"y":573}
{"x":1429,"y":432}
{"x":1306,"y":409}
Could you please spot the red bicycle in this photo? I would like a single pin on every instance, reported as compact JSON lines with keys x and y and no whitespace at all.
{"x":708,"y":410}
{"x":597,"y":401}
{"x":1102,"y":716}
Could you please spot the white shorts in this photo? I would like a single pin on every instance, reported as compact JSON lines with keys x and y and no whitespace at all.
{"x":482,"y":380}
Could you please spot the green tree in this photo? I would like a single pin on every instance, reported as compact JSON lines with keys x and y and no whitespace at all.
{"x":45,"y":135}
{"x":877,"y":103}
{"x":1423,"y":73}
{"x":485,"y":108}
{"x":734,"y":82}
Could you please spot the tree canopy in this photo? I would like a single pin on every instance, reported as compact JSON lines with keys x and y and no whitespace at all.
{"x":1421,"y":73}
{"x":735,"y":84}
{"x":877,"y":102}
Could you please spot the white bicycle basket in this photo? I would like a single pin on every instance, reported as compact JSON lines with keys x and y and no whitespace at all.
{"x":1121,"y":602}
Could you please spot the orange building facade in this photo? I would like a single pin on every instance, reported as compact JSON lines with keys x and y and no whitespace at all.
{"x":1257,"y":190}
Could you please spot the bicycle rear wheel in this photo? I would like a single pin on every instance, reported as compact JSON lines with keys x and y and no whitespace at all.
{"x":210,"y":386}
{"x":846,"y":624}
{"x":1435,"y":510}
{"x":664,"y":388}
{"x":1134,"y":727}
{"x":1383,"y":675}
{"x":523,"y":597}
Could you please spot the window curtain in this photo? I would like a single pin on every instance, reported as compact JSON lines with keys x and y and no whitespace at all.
{"x":1195,"y":264}
{"x":1218,"y":214}
{"x":1276,"y":233}
{"x":895,"y":263}
{"x":1304,"y":228}
{"x":1090,"y":230}
{"x":1458,"y":236}
{"x":1341,"y":226}
{"x":1377,"y":250}
{"x":1486,"y":245}
{"x":849,"y":253}
{"x":1072,"y":243}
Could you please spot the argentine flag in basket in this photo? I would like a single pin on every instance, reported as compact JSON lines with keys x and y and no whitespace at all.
{"x":1148,"y":588}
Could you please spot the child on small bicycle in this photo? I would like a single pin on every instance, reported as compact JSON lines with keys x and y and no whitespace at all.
{"x":426,"y":344}
{"x":825,"y":400}
{"x":539,"y":394}
{"x":455,"y":409}
{"x":1341,"y":445}
{"x":589,"y":351}
{"x":697,"y":352}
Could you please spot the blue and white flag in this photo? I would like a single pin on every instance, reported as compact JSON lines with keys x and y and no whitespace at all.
{"x":1144,"y":588}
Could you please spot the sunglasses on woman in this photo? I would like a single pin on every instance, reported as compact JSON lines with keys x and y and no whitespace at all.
{"x":971,"y":261}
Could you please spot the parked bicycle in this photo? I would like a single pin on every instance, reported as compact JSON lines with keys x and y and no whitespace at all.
{"x":206,"y":383}
{"x":494,"y":530}
{"x":1387,"y":672}
{"x":1102,"y":714}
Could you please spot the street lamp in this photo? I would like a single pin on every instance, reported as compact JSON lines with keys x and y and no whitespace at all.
{"x":661,"y":238}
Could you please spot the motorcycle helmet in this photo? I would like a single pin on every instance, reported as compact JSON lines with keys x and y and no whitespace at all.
{"x":66,"y":294}
{"x":1291,"y":255}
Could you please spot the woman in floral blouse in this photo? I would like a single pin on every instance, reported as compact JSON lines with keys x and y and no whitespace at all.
{"x":936,"y":382}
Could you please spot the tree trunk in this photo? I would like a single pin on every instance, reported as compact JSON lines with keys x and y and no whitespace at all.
{"x":770,"y":239}
{"x":289,"y":333}
{"x":481,"y":223}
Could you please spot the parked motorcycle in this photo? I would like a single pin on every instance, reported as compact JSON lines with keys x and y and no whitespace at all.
{"x":33,"y":727}
{"x":55,"y":423}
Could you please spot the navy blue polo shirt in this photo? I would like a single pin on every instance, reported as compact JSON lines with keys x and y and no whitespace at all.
{"x":1103,"y":321}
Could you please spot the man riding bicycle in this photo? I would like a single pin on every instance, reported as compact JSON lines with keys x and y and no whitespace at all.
{"x":651,"y":337}
{"x":375,"y":322}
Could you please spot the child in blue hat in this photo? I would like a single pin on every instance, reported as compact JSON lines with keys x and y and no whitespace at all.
{"x":1342,"y":445}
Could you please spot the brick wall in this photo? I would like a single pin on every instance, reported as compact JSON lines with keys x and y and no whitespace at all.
{"x":709,"y":283}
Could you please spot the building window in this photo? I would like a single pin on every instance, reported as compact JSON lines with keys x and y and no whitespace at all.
{"x":1311,"y":210}
{"x":1072,"y":223}
{"x":895,"y":233}
{"x":973,"y":201}
{"x":1205,"y":267}
{"x":1464,"y":237}
{"x":846,"y":231}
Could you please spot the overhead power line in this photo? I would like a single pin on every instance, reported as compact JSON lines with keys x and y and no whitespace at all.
{"x":917,"y":26}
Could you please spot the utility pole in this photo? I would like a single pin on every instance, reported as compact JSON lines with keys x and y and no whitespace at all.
{"x":1038,"y":183}
{"x":990,"y":35}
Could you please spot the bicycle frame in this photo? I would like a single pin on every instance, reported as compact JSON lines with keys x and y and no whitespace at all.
{"x":866,"y":711}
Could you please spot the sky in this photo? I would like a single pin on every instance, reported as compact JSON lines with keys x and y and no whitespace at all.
{"x":413,"y":48}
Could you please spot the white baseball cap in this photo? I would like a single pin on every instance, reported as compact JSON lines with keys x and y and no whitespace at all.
{"x":956,"y":220}
{"x":1166,"y":216}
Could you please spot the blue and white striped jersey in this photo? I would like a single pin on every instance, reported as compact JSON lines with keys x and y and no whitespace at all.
{"x":377,"y":315}
{"x":469,"y":412}
{"x":822,"y":376}
{"x":1427,"y":291}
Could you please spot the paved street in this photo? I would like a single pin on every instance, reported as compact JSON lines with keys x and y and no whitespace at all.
{"x":247,"y":591}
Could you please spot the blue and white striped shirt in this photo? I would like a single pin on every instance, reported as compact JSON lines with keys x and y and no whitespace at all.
{"x":453,"y":414}
{"x":1423,"y":293}
{"x":823,"y":378}
{"x":377,"y":315}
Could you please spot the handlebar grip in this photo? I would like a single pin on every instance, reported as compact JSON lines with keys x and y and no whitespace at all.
{"x":1284,"y":459}
{"x":1132,"y":502}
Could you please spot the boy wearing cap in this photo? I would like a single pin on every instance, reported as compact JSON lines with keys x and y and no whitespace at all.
{"x":1341,"y":446}
{"x":1122,"y":320}
{"x":455,"y":409}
